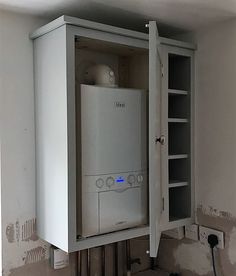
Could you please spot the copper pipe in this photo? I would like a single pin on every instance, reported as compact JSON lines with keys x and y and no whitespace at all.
{"x":79,"y":263}
{"x":116,"y":255}
{"x":128,"y":260}
{"x":88,"y":262}
{"x":103,"y":260}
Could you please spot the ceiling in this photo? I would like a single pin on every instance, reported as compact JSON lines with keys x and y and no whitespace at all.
{"x":173,"y":16}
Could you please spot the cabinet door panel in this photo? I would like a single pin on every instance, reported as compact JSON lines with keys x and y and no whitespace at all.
{"x":155,"y":196}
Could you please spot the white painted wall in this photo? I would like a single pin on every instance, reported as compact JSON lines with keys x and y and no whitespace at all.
{"x":17,"y":139}
{"x":215,"y":151}
{"x":216,"y":117}
{"x":22,"y":251}
{"x":215,"y":127}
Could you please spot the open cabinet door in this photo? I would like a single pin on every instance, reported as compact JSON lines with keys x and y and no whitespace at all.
{"x":155,"y":138}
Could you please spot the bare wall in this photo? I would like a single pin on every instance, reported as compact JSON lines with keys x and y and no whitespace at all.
{"x":23,"y":253}
{"x":215,"y":153}
{"x":20,"y":244}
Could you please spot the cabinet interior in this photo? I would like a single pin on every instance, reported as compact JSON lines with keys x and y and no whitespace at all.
{"x":179,"y":106}
{"x":179,"y":136}
{"x":179,"y":170}
{"x":179,"y":203}
{"x":179,"y":189}
{"x":179,"y":72}
{"x":130,"y":66}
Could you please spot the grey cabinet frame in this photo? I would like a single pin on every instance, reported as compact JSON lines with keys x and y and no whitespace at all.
{"x":54,"y":55}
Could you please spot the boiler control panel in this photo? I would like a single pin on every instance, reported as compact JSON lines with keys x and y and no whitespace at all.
{"x":102,"y":183}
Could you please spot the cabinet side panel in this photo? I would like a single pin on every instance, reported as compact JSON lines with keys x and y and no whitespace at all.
{"x":51,"y":137}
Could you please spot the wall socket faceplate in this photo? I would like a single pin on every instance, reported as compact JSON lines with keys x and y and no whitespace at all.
{"x":192,"y":232}
{"x":204,"y":232}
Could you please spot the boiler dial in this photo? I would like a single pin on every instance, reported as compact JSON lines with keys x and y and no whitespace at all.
{"x":131,"y":179}
{"x":99,"y":183}
{"x":140,"y":178}
{"x":110,"y":181}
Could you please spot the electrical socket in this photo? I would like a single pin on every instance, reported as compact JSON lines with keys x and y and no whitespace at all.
{"x":204,"y":232}
{"x":192,"y":232}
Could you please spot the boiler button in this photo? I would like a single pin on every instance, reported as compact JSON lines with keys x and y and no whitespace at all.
{"x":99,"y":183}
{"x":110,"y":181}
{"x":131,"y":179}
{"x":140,"y":178}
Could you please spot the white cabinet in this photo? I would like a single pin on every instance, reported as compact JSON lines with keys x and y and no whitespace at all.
{"x":165,"y":68}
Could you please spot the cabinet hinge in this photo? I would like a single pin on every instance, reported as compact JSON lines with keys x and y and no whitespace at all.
{"x":163,"y":204}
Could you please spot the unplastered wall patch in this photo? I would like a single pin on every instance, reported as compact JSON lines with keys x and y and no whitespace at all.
{"x":193,"y":257}
{"x":28,"y":230}
{"x":22,"y":244}
{"x":213,"y":212}
{"x":210,"y":216}
{"x":35,"y":255}
{"x":10,"y":232}
{"x":24,"y":231}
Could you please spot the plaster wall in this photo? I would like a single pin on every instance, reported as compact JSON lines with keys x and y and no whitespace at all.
{"x":215,"y":154}
{"x":20,"y":243}
{"x":23,"y":253}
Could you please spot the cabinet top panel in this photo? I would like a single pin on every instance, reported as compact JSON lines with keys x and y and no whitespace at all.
{"x":64,"y":19}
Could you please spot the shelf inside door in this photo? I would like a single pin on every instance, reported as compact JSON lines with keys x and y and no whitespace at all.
{"x":176,"y":183}
{"x":177,"y":120}
{"x":178,"y":156}
{"x":175,"y":92}
{"x":175,"y":218}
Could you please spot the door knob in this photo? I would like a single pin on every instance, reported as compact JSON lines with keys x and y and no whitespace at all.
{"x":161,"y":140}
